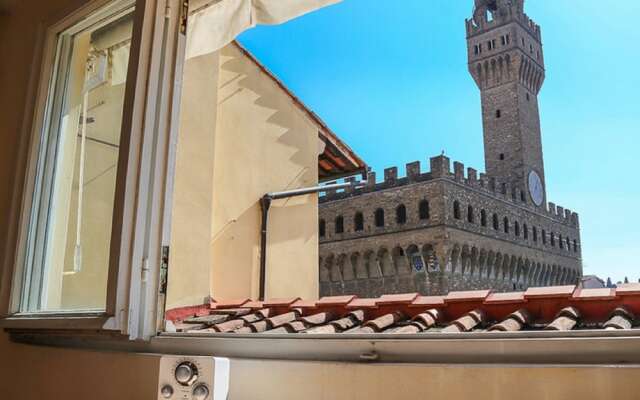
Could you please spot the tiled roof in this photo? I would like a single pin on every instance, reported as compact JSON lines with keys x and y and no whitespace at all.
{"x":561,"y":308}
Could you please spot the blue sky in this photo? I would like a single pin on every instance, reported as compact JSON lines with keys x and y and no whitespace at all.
{"x":393,"y":83}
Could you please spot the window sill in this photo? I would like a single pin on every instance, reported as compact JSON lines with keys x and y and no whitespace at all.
{"x":61,"y":320}
{"x":555,"y":348}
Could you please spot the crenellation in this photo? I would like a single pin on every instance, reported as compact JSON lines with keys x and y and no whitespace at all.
{"x":440,"y":167}
{"x":472,"y":176}
{"x":390,"y":175}
{"x":560,"y":212}
{"x":458,"y":169}
{"x":413,"y":171}
{"x":371,"y":179}
{"x":552,"y":209}
{"x":351,"y":179}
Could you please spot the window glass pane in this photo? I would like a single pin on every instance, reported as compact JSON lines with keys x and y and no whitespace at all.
{"x":70,"y":232}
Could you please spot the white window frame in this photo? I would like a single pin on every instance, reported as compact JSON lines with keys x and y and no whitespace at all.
{"x":142,"y":198}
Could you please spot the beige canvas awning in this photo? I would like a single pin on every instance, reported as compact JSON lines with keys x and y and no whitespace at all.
{"x":214,"y":24}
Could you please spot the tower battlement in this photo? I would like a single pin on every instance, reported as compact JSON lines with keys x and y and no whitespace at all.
{"x":490,"y":14}
{"x":440,"y":168}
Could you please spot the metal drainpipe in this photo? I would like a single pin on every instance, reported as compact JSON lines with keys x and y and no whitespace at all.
{"x":265,"y":205}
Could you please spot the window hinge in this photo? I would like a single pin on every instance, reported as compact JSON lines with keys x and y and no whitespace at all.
{"x":144,"y":272}
{"x":184,"y":15}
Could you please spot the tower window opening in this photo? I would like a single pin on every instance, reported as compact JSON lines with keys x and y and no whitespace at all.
{"x":575,"y":246}
{"x":483,"y":218}
{"x":525,"y":231}
{"x":523,"y":197}
{"x":322,"y":228}
{"x":496,"y":223}
{"x":531,"y":48}
{"x":535,"y":234}
{"x":358,"y":222}
{"x":470,"y":216}
{"x":568,"y":244}
{"x":560,"y":242}
{"x":424,"y":209}
{"x":505,"y":223}
{"x":476,"y":49}
{"x":528,"y":97}
{"x":340,"y":224}
{"x":456,"y":209}
{"x":493,"y":43}
{"x":523,"y":41}
{"x":544,"y":237}
{"x":501,"y":156}
{"x":553,"y":239}
{"x":517,"y":229}
{"x":379,"y":218}
{"x":401,"y":214}
{"x":498,"y":113}
{"x":504,"y":40}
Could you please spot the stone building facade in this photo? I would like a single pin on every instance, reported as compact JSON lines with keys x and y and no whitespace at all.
{"x":441,"y":230}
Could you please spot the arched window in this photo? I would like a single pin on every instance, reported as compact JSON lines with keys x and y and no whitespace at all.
{"x":379,"y":217}
{"x":553,"y":239}
{"x":525,"y":231}
{"x":424,"y":209}
{"x":340,"y":224}
{"x":483,"y":218}
{"x":496,"y":223}
{"x":517,"y":228}
{"x":575,"y":246}
{"x":505,"y":224}
{"x":568,"y":244}
{"x":560,"y":242}
{"x":456,"y":209}
{"x":322,"y":228}
{"x":358,"y":222}
{"x":535,"y":234}
{"x":544,"y":237}
{"x":470,"y":217}
{"x":401,"y":214}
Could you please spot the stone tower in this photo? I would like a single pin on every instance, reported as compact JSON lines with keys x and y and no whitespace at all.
{"x":507,"y":64}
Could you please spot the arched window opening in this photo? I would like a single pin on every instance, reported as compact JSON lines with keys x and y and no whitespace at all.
{"x":568,"y":244}
{"x":496,"y":223}
{"x":575,"y":246}
{"x":498,"y":113}
{"x":470,"y":216}
{"x":553,"y":239}
{"x":505,"y":224}
{"x":379,"y":217}
{"x":340,"y":224}
{"x":535,"y":234}
{"x":322,"y":226}
{"x":544,"y":237}
{"x":483,"y":218}
{"x":456,"y":209}
{"x":517,"y":228}
{"x":525,"y":231}
{"x":401,"y":214}
{"x":424,"y":209}
{"x":560,"y":242}
{"x":358,"y":222}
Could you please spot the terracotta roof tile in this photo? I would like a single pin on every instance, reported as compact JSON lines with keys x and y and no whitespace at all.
{"x":566,"y":320}
{"x":592,"y":294}
{"x":429,"y":301}
{"x":229,"y":303}
{"x":362,"y":303}
{"x":335,"y":300}
{"x":389,"y":299}
{"x":476,"y":295}
{"x":281,"y":302}
{"x":556,"y":308}
{"x":549,"y":292}
{"x":628,"y":289}
{"x":505,"y":298}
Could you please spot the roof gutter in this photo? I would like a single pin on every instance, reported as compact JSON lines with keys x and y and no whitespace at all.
{"x":265,"y":205}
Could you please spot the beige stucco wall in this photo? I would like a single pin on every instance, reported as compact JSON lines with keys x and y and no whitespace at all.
{"x":262,"y":142}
